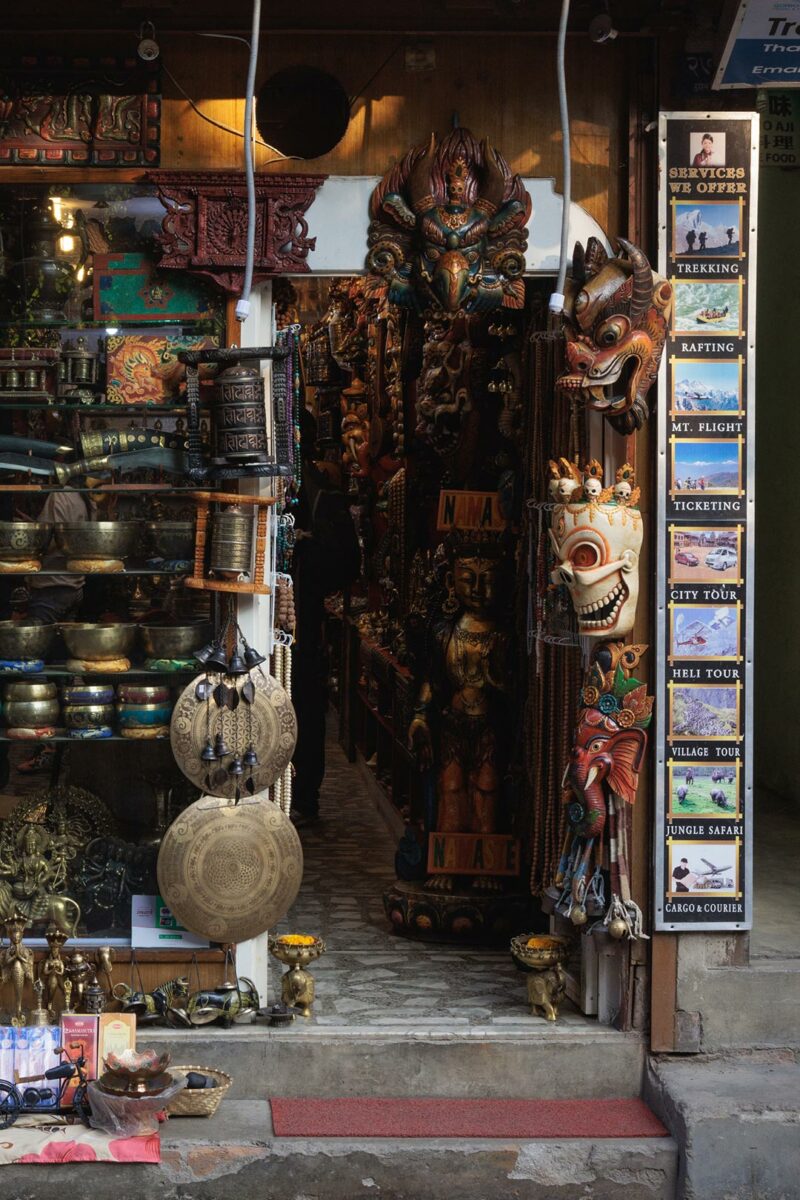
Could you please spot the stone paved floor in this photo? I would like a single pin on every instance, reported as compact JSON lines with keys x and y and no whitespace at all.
{"x":368,"y":976}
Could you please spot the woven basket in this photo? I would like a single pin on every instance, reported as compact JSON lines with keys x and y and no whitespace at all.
{"x":199,"y":1102}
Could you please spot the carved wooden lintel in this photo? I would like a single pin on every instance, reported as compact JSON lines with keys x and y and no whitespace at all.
{"x":205,"y":226}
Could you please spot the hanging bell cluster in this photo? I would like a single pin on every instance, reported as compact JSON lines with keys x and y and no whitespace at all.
{"x":228,"y":692}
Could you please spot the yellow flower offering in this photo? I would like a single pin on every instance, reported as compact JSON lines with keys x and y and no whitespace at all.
{"x":296,"y":939}
{"x":538,"y":943}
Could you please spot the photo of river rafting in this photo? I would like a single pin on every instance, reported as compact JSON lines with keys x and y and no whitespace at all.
{"x":707,"y":307}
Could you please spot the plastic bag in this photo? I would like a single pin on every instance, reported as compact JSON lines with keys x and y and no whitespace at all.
{"x":130,"y":1116}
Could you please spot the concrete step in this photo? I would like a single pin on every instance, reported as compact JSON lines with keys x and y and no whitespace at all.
{"x":541,"y":1060}
{"x":737,"y":1121}
{"x":233,"y":1156}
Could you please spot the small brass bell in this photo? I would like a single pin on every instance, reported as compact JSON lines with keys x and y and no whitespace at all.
{"x":208,"y":754}
{"x":221,"y":750}
{"x":252,"y":657}
{"x":250,"y":758}
{"x":204,"y":653}
{"x":236,"y":664}
{"x":617,"y":928}
{"x":236,"y":767}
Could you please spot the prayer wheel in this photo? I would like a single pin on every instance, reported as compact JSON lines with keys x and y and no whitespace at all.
{"x":240,"y":423}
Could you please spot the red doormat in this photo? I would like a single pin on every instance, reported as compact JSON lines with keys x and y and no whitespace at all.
{"x":364,"y":1117}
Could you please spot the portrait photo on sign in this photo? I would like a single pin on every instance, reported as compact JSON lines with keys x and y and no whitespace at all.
{"x":707,"y":148}
{"x":710,"y":467}
{"x":706,"y":387}
{"x":705,"y":631}
{"x":703,"y":867}
{"x":708,"y":228}
{"x":707,"y":306}
{"x":699,"y":554}
{"x":704,"y":789}
{"x":702,"y":712}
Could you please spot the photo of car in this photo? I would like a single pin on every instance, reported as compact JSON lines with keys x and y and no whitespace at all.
{"x":687,"y":558}
{"x":721,"y":559}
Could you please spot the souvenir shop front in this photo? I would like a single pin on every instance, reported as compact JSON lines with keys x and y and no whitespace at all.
{"x":398,"y":625}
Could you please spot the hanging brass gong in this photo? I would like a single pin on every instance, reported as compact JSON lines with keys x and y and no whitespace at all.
{"x":230,"y":871}
{"x":271,"y":722}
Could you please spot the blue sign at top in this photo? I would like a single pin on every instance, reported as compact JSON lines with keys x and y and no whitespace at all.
{"x":763,"y":49}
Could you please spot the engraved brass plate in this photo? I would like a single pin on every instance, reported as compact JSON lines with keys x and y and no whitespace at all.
{"x":230,"y":871}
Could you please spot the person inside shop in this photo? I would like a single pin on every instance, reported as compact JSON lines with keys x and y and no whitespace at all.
{"x":58,"y":597}
{"x":705,"y":155}
{"x":327,"y":559}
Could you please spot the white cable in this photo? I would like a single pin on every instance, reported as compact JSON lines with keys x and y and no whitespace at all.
{"x":243,"y":303}
{"x":556,"y":304}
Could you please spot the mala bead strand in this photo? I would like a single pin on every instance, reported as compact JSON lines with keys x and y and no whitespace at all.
{"x":286,"y":781}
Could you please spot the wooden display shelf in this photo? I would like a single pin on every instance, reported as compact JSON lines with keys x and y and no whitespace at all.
{"x":198,"y":580}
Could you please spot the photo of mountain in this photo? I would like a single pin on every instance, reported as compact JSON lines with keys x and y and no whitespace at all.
{"x":706,"y":386}
{"x":698,"y":711}
{"x":708,"y":307}
{"x":705,"y":631}
{"x":707,"y":466}
{"x":703,"y":230}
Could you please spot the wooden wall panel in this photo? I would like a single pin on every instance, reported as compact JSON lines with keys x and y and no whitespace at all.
{"x":502,"y":88}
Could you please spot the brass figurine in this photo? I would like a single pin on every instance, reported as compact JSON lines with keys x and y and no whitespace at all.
{"x":31,"y":869}
{"x":104,"y":957}
{"x":39,"y":1016}
{"x":543,"y":955}
{"x":67,"y":997}
{"x":296,"y":951}
{"x":52,"y":970}
{"x":80,"y":973}
{"x":16,"y":963}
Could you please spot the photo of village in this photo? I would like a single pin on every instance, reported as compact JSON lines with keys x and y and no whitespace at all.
{"x":701,"y":712}
{"x":704,"y":867}
{"x":705,"y":229}
{"x":706,"y":386}
{"x":703,"y":789}
{"x":702,"y":555}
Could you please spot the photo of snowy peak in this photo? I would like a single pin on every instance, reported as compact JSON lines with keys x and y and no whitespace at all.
{"x":706,"y":229}
{"x":707,"y":466}
{"x":712,"y":386}
{"x":705,"y":631}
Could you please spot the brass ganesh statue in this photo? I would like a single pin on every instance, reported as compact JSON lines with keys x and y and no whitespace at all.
{"x":447,"y":232}
{"x":616,"y":312}
{"x":459,"y":719}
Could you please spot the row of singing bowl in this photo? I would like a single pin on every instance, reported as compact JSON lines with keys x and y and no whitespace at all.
{"x":26,"y":641}
{"x":21,"y":540}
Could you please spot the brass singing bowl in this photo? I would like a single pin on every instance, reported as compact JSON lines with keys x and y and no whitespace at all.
{"x":24,"y":640}
{"x":171,"y":539}
{"x":175,"y":641}
{"x":31,"y":714}
{"x":20,"y":540}
{"x":96,"y":642}
{"x":547,"y":951}
{"x":143,"y":693}
{"x":98,"y":539}
{"x":88,"y":693}
{"x":87,"y":716}
{"x":30,"y":691}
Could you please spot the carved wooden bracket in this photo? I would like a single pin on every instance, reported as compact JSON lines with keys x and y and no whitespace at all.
{"x":205,"y":227}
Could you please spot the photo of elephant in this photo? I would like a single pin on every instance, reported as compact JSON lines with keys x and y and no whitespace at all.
{"x":703,"y":789}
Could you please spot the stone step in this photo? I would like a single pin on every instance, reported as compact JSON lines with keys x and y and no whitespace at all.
{"x":740,"y":1007}
{"x":540,"y":1060}
{"x":233,"y":1156}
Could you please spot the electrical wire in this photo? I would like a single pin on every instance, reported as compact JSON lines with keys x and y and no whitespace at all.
{"x":228,"y":128}
{"x":556,"y":304}
{"x":243,"y":303}
{"x":375,"y":74}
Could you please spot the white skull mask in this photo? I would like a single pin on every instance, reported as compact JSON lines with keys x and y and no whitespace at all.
{"x":598,"y":560}
{"x":592,"y":487}
{"x":622,"y":491}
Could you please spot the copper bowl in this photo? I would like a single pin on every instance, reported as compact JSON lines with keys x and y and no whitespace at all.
{"x":136,"y":1071}
{"x":98,"y":539}
{"x":21,"y":640}
{"x":21,"y":540}
{"x":547,"y":950}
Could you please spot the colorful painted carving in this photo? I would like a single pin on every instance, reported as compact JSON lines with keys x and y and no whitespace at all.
{"x":616,"y":316}
{"x":448,"y":229}
{"x":600,"y":783}
{"x":596,"y":535}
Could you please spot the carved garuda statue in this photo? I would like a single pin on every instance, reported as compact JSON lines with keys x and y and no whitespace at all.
{"x":447,"y":234}
{"x":616,"y":315}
